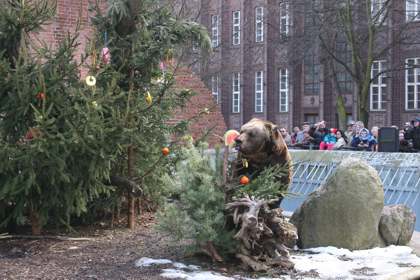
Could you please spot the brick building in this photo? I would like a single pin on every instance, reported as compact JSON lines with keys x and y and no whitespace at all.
{"x":258,"y":70}
{"x":71,"y":11}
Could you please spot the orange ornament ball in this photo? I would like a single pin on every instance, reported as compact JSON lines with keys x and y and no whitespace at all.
{"x":165,"y":151}
{"x":244,"y":180}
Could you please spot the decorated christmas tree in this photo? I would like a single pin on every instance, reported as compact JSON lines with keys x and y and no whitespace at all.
{"x":66,"y":139}
{"x":133,"y":63}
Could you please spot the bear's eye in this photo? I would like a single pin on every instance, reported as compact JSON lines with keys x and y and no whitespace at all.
{"x":251,"y":134}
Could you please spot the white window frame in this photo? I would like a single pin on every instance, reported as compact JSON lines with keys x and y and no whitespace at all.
{"x":215,"y":88}
{"x":236,"y":92}
{"x":283,"y":90}
{"x":259,"y":24}
{"x":215,"y":31}
{"x":284,"y":18}
{"x":415,"y":84}
{"x":259,"y":92}
{"x":236,"y":28}
{"x":379,"y":84}
{"x":376,"y":7}
{"x":412,"y":10}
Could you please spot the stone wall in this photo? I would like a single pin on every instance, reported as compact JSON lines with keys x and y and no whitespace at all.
{"x":202,"y":99}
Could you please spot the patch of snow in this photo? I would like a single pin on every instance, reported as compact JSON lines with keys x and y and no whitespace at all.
{"x":328,"y":262}
{"x":148,"y":262}
{"x":378,"y":263}
{"x":187,"y":267}
{"x":201,"y":275}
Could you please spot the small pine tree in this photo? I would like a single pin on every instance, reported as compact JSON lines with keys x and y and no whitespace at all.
{"x":197,"y":208}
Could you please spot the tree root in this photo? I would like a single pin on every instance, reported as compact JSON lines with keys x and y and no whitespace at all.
{"x":264,"y":234}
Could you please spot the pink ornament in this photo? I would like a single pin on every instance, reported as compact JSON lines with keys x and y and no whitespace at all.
{"x":106,"y":55}
{"x":162,"y":66}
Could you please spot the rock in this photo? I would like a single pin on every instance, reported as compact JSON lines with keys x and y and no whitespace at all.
{"x":397,"y":224}
{"x":345,"y":211}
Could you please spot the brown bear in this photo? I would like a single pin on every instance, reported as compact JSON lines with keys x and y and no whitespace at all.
{"x":260,"y":145}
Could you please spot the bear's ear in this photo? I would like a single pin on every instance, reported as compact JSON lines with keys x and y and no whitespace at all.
{"x":276,"y":132}
{"x":273,"y":130}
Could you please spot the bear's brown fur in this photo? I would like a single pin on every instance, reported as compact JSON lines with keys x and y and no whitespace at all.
{"x":261,"y":145}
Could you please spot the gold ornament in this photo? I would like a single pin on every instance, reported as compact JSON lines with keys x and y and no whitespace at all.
{"x":95,"y":104}
{"x":90,"y":81}
{"x":149,"y":98}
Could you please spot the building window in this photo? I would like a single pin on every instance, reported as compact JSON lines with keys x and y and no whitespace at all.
{"x":236,"y":31}
{"x":214,"y":31}
{"x":259,"y":24}
{"x":284,"y":90}
{"x":311,"y":118}
{"x":378,"y":11}
{"x":215,"y":88}
{"x":236,"y":92}
{"x":412,"y":10}
{"x":412,"y":82}
{"x":378,"y":89}
{"x":284,"y":18}
{"x":259,"y":92}
{"x":312,"y":74}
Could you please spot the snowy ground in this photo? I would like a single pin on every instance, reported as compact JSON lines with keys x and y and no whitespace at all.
{"x":328,"y":262}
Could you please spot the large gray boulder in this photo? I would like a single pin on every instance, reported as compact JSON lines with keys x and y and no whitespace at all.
{"x":345,"y":211}
{"x":397,"y":224}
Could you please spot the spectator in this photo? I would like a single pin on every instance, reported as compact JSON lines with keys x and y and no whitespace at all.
{"x":414,"y":134}
{"x":407,"y":125}
{"x":363,"y":141}
{"x":300,"y":136}
{"x":307,"y":140}
{"x":341,"y":140}
{"x":329,"y":140}
{"x":294,"y":135}
{"x":318,"y":132}
{"x":375,"y":131}
{"x":286,"y":137}
{"x":405,"y":146}
{"x":350,"y":132}
{"x":360,"y":124}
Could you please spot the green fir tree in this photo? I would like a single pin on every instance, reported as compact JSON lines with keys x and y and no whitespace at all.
{"x":64,"y":139}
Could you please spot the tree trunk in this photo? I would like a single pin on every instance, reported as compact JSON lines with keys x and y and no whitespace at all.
{"x":341,"y":111}
{"x":36,"y":225}
{"x":131,"y":199}
{"x":363,"y":106}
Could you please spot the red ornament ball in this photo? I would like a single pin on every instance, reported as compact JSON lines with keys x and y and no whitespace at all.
{"x":41,"y":96}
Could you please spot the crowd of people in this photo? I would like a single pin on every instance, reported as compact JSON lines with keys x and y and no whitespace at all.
{"x":318,"y":137}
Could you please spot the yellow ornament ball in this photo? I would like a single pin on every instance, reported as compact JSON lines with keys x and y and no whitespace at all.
{"x":90,"y":81}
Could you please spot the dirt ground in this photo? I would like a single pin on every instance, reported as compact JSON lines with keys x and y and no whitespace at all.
{"x":110,"y":254}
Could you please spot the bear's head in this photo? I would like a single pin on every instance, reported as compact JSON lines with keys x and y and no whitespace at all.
{"x":258,"y":136}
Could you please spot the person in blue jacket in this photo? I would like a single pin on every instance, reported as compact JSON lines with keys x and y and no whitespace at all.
{"x":364,"y":141}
